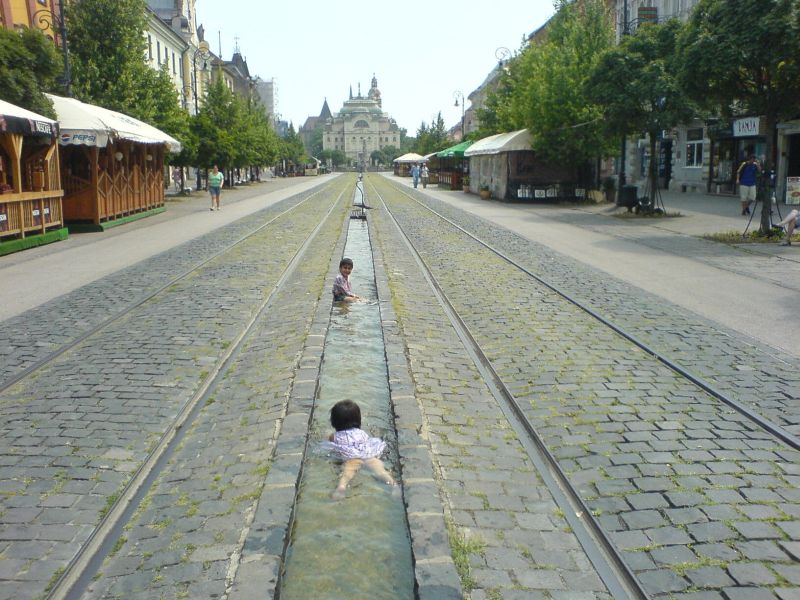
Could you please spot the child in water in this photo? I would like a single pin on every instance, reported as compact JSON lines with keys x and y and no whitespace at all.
{"x":350,"y":443}
{"x":342,"y":292}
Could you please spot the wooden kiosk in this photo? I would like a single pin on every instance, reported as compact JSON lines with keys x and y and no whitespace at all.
{"x":30,"y":185}
{"x":112,"y":164}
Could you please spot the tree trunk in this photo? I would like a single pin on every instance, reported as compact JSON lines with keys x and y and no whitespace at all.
{"x":771,"y":120}
{"x":652,"y":171}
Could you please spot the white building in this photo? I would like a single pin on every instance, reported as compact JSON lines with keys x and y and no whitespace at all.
{"x":361,"y":126}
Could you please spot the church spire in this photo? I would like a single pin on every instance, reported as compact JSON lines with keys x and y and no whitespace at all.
{"x":351,"y":91}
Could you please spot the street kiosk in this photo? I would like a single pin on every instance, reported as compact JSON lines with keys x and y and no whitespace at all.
{"x":112,"y":165}
{"x":30,"y":185}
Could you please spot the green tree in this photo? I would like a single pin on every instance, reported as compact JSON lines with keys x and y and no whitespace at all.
{"x":160,"y":106}
{"x":315,"y":145}
{"x":744,"y":58}
{"x":636,"y":84}
{"x":432,"y":138}
{"x":542,"y":88}
{"x":291,"y":149}
{"x":215,"y":126}
{"x":107,"y":49}
{"x":29,"y":64}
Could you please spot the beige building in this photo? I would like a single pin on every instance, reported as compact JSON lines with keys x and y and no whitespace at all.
{"x":361,"y":126}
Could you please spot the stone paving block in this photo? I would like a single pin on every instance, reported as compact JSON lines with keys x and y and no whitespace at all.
{"x":746,"y":574}
{"x":748,"y":593}
{"x":709,"y":577}
{"x":661,"y":581}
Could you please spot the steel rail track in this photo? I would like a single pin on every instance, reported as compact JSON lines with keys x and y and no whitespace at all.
{"x":610,"y":566}
{"x":45,"y":360}
{"x":771,"y":427}
{"x":78,"y":574}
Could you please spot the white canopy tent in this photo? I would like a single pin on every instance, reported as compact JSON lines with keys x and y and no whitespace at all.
{"x":89,"y":125}
{"x":411,"y":157}
{"x":501,"y":142}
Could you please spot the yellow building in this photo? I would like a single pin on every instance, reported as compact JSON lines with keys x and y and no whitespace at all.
{"x":30,"y":13}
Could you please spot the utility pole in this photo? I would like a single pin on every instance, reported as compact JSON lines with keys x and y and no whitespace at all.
{"x":622,"y":179}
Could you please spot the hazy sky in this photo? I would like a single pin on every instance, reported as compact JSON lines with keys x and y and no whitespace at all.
{"x":421,"y":52}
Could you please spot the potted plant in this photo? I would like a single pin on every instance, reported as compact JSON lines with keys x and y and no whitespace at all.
{"x":485,"y":192}
{"x":465,"y":183}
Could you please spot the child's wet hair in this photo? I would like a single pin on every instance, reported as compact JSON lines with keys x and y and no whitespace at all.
{"x":345,"y":261}
{"x":345,"y":414}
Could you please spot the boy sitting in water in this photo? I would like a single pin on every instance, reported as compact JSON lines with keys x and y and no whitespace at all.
{"x":342,"y":292}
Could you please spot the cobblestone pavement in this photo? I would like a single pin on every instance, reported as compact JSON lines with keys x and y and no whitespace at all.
{"x":75,"y":432}
{"x":701,"y":502}
{"x":30,"y":337}
{"x":187,"y":538}
{"x":764,"y":379}
{"x":510,"y":538}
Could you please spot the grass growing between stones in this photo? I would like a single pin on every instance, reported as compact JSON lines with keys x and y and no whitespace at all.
{"x":462,"y":547}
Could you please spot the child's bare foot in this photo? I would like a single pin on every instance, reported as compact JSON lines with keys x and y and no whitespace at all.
{"x":395,"y":487}
{"x":338,"y":493}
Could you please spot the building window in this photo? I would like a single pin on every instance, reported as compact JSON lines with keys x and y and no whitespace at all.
{"x":173,"y":64}
{"x":694,"y":147}
{"x":149,"y":46}
{"x":158,"y":51}
{"x":166,"y":56}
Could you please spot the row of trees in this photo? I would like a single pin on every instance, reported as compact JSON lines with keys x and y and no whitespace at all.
{"x":110,"y":70}
{"x":578,"y":92}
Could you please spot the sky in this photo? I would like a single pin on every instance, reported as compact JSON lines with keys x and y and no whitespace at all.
{"x":421,"y":53}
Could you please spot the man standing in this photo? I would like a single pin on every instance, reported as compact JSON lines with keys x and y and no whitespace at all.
{"x":746,"y":177}
{"x":415,"y":174}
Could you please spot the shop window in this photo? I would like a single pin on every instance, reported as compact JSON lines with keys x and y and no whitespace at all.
{"x":694,"y":147}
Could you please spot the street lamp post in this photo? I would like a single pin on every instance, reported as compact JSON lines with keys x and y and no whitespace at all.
{"x":202,"y":52}
{"x":46,"y":20}
{"x":460,"y":96}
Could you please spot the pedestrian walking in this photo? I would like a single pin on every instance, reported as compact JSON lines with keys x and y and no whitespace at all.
{"x":355,"y":447}
{"x":424,"y":174}
{"x":415,"y":174}
{"x":176,"y":178}
{"x":215,"y":183}
{"x":746,"y":177}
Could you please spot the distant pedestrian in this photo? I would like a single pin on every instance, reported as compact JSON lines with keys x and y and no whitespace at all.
{"x":746,"y":178}
{"x":789,"y":223}
{"x":424,"y":174}
{"x":176,"y":179}
{"x":215,"y":183}
{"x":415,"y":174}
{"x":342,"y":292}
{"x":355,"y":447}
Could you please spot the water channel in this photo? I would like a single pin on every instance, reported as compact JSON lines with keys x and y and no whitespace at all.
{"x":356,"y":547}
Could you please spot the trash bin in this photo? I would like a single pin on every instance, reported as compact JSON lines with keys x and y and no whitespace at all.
{"x":628,"y":196}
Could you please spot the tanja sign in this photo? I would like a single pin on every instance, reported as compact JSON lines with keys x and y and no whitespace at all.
{"x":746,"y":127}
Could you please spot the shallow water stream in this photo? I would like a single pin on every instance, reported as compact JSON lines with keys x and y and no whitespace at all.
{"x":357,"y":547}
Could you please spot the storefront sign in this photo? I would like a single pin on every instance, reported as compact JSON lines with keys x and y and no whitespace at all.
{"x":746,"y":127}
{"x":793,"y":190}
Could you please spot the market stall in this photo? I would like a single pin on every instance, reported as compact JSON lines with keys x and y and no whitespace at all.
{"x":452,"y":166}
{"x":112,"y":165}
{"x":403,"y":164}
{"x":30,"y":185}
{"x":508,"y":167}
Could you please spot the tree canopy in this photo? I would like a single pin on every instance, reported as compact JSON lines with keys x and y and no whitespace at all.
{"x":110,"y":69}
{"x":637,"y":85}
{"x":743,"y":58}
{"x":29,"y":64}
{"x":542,"y":88}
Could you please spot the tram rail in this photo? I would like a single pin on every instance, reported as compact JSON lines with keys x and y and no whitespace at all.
{"x":82,"y":336}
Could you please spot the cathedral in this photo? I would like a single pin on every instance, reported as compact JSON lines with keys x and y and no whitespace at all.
{"x":361,"y":126}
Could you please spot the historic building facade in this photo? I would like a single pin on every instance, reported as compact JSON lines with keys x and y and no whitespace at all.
{"x":361,"y":126}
